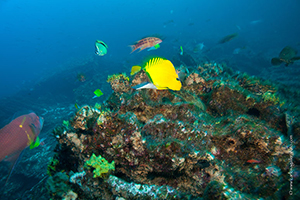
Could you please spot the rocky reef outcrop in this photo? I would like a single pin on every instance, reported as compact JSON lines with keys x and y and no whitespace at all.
{"x":224,"y":135}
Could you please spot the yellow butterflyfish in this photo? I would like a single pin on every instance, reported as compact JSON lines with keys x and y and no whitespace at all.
{"x":161,"y":73}
{"x":135,"y":69}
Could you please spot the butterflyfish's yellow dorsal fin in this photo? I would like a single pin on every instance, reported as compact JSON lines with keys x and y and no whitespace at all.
{"x":154,"y":61}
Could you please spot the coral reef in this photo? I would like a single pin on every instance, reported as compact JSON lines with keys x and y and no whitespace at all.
{"x":76,"y":177}
{"x":224,"y":135}
{"x":119,"y":82}
{"x":100,"y":164}
{"x":138,"y":191}
{"x":57,"y":185}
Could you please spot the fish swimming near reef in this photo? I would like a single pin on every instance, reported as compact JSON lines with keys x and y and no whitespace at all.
{"x":238,"y":50}
{"x":253,"y":161}
{"x":168,"y":23}
{"x":97,"y":93}
{"x":162,"y":74}
{"x":100,"y":48}
{"x":135,"y":69}
{"x":147,"y":42}
{"x":181,"y":51}
{"x":20,"y":133}
{"x":201,"y":46}
{"x":81,"y":77}
{"x":287,"y":56}
{"x":254,"y":22}
{"x":228,"y":38}
{"x":198,"y":47}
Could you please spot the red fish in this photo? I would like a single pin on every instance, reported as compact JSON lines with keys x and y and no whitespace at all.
{"x":252,"y":161}
{"x":17,"y":135}
{"x":144,"y":43}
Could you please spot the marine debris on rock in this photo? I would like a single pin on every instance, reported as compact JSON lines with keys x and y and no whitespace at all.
{"x":224,"y":135}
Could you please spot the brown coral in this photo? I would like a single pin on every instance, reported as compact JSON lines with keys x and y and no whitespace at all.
{"x":194,"y":78}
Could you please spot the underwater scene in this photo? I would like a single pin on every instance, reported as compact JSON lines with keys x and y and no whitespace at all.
{"x":172,"y":99}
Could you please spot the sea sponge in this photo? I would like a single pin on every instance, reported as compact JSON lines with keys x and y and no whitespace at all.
{"x":100,"y":164}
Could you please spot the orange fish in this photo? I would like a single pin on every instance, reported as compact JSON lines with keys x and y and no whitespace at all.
{"x":17,"y":135}
{"x":144,"y":43}
{"x":252,"y":161}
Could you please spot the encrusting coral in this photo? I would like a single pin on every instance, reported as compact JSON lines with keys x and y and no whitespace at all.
{"x":224,"y":135}
{"x":101,"y":165}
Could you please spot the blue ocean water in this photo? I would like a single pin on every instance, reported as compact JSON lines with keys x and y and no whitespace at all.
{"x":42,"y":43}
{"x":38,"y":37}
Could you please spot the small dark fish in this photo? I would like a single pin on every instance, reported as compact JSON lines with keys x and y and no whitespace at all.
{"x":168,"y":22}
{"x":287,"y":53}
{"x":276,"y":61}
{"x":228,"y":38}
{"x":81,"y":77}
{"x":77,"y":106}
{"x":287,"y":56}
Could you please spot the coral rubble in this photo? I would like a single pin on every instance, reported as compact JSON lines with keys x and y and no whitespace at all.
{"x":223,"y":136}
